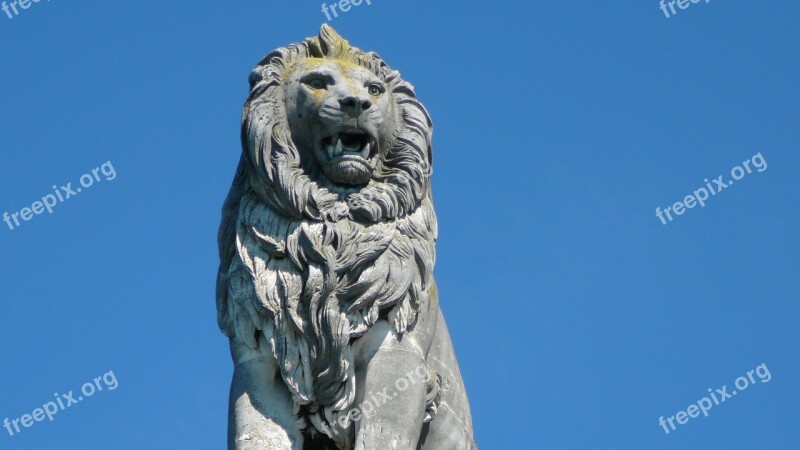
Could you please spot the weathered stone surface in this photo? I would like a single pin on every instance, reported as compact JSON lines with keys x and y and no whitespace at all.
{"x":326,"y":286}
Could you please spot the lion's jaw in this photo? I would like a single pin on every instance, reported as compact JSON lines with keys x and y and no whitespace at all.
{"x":341,"y":117}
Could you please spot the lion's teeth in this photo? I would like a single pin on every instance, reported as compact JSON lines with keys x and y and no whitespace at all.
{"x":338,"y":150}
{"x":365,"y":152}
{"x":330,"y":150}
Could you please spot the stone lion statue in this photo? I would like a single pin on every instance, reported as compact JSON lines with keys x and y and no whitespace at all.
{"x":325,"y":286}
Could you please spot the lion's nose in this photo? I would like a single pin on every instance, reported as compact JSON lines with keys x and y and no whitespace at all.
{"x":354,"y":105}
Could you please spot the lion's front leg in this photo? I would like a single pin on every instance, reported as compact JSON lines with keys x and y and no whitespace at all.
{"x":391,"y":375}
{"x":260,"y":414}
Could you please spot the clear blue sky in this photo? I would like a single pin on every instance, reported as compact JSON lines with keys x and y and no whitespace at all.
{"x":577,"y":316}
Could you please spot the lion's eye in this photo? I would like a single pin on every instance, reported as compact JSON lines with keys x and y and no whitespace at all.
{"x":316,"y":83}
{"x":375,"y":89}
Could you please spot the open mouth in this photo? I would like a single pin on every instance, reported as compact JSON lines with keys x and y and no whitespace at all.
{"x":352,"y":142}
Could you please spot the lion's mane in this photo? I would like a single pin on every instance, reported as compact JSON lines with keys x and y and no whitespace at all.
{"x":312,"y":268}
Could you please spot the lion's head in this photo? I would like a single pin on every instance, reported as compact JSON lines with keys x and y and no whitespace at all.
{"x":342,"y":119}
{"x":329,"y":225}
{"x":334,"y":133}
